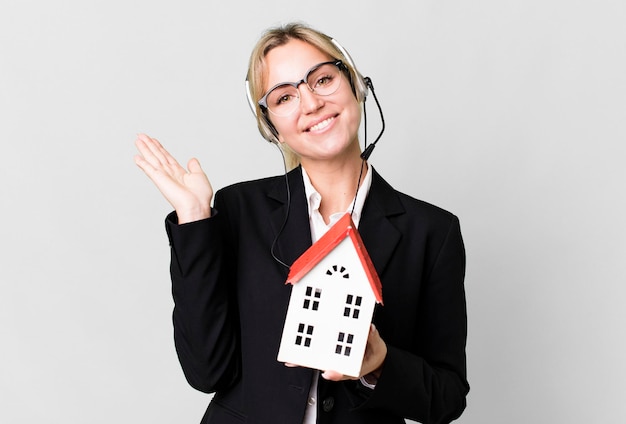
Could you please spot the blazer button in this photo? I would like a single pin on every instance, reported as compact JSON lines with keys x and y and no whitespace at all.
{"x":328,"y":403}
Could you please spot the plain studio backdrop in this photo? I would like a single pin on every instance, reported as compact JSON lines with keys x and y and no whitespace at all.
{"x":511,"y":114}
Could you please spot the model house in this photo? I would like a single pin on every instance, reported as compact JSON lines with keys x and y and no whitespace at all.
{"x":335,"y":289}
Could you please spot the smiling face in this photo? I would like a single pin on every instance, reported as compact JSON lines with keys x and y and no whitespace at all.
{"x":321,"y":128}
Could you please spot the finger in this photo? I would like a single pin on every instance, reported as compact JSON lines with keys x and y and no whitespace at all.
{"x":167,"y":157}
{"x":375,"y":352}
{"x":159,"y":158}
{"x":160,"y":178}
{"x":151,"y":165}
{"x":143,"y":164}
{"x":159,"y":154}
{"x":194,"y":166}
{"x":333,"y":375}
{"x":144,"y":146}
{"x":147,"y":140}
{"x":373,"y":334}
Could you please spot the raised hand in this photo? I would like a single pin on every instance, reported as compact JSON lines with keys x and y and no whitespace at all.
{"x":187,"y":190}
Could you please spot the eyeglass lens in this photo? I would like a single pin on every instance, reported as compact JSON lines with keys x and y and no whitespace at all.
{"x":323,"y":80}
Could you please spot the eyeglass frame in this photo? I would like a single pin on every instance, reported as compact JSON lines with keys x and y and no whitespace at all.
{"x":337,"y":62}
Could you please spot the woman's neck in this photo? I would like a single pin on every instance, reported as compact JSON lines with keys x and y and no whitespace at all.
{"x":336,"y":183}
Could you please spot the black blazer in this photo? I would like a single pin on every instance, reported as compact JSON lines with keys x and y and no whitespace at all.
{"x":231,"y":300}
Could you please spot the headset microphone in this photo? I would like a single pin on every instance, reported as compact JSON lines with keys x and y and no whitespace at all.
{"x":369,"y":149}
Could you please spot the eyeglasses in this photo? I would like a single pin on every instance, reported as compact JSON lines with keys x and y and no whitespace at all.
{"x":323,"y":79}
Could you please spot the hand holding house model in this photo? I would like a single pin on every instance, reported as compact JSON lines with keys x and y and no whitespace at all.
{"x":335,"y":290}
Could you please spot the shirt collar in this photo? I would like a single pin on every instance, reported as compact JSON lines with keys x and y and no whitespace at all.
{"x":314,"y":198}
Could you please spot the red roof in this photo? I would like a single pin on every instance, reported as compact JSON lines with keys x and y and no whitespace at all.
{"x":335,"y":235}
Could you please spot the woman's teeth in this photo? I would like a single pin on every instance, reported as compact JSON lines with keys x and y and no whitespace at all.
{"x":321,"y":125}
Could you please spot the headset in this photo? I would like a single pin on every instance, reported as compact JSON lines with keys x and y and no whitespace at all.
{"x":360,"y":86}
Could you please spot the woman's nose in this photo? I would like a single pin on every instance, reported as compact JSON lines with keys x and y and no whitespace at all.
{"x":309,"y":101}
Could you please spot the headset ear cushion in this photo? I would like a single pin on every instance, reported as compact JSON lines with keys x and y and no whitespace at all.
{"x":249,"y":98}
{"x":268,"y":131}
{"x":266,"y":128}
{"x":359,"y":85}
{"x":362,"y":86}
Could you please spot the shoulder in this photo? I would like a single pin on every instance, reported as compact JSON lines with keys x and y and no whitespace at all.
{"x":268,"y":189}
{"x":252,"y":190}
{"x":406,"y":207}
{"x":421,"y":226}
{"x":251,"y":185}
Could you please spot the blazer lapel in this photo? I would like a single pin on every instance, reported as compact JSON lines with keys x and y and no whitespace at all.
{"x":379,"y":235}
{"x":293,"y":240}
{"x":295,"y":237}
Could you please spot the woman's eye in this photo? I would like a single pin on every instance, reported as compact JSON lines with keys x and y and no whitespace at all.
{"x":285,"y":98}
{"x":325,"y":80}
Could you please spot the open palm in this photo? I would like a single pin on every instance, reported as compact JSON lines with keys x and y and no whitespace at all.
{"x":187,"y":190}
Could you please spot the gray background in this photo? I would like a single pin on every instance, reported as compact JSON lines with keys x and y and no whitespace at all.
{"x":511,"y":114}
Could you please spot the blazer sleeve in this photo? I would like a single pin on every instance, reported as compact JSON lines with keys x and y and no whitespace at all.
{"x":205,"y":317}
{"x":430,"y":385}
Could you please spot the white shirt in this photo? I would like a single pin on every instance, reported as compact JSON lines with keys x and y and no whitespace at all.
{"x":318,"y":229}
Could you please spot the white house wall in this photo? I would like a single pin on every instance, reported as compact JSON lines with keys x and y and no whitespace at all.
{"x":327,"y":322}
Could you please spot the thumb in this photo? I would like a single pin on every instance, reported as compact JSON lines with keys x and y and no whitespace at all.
{"x":332,"y":375}
{"x":194,"y":166}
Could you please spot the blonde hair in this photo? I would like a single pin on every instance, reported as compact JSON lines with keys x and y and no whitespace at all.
{"x":278,"y":36}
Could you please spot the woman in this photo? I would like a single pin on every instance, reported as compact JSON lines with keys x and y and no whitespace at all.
{"x":230,"y":262}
